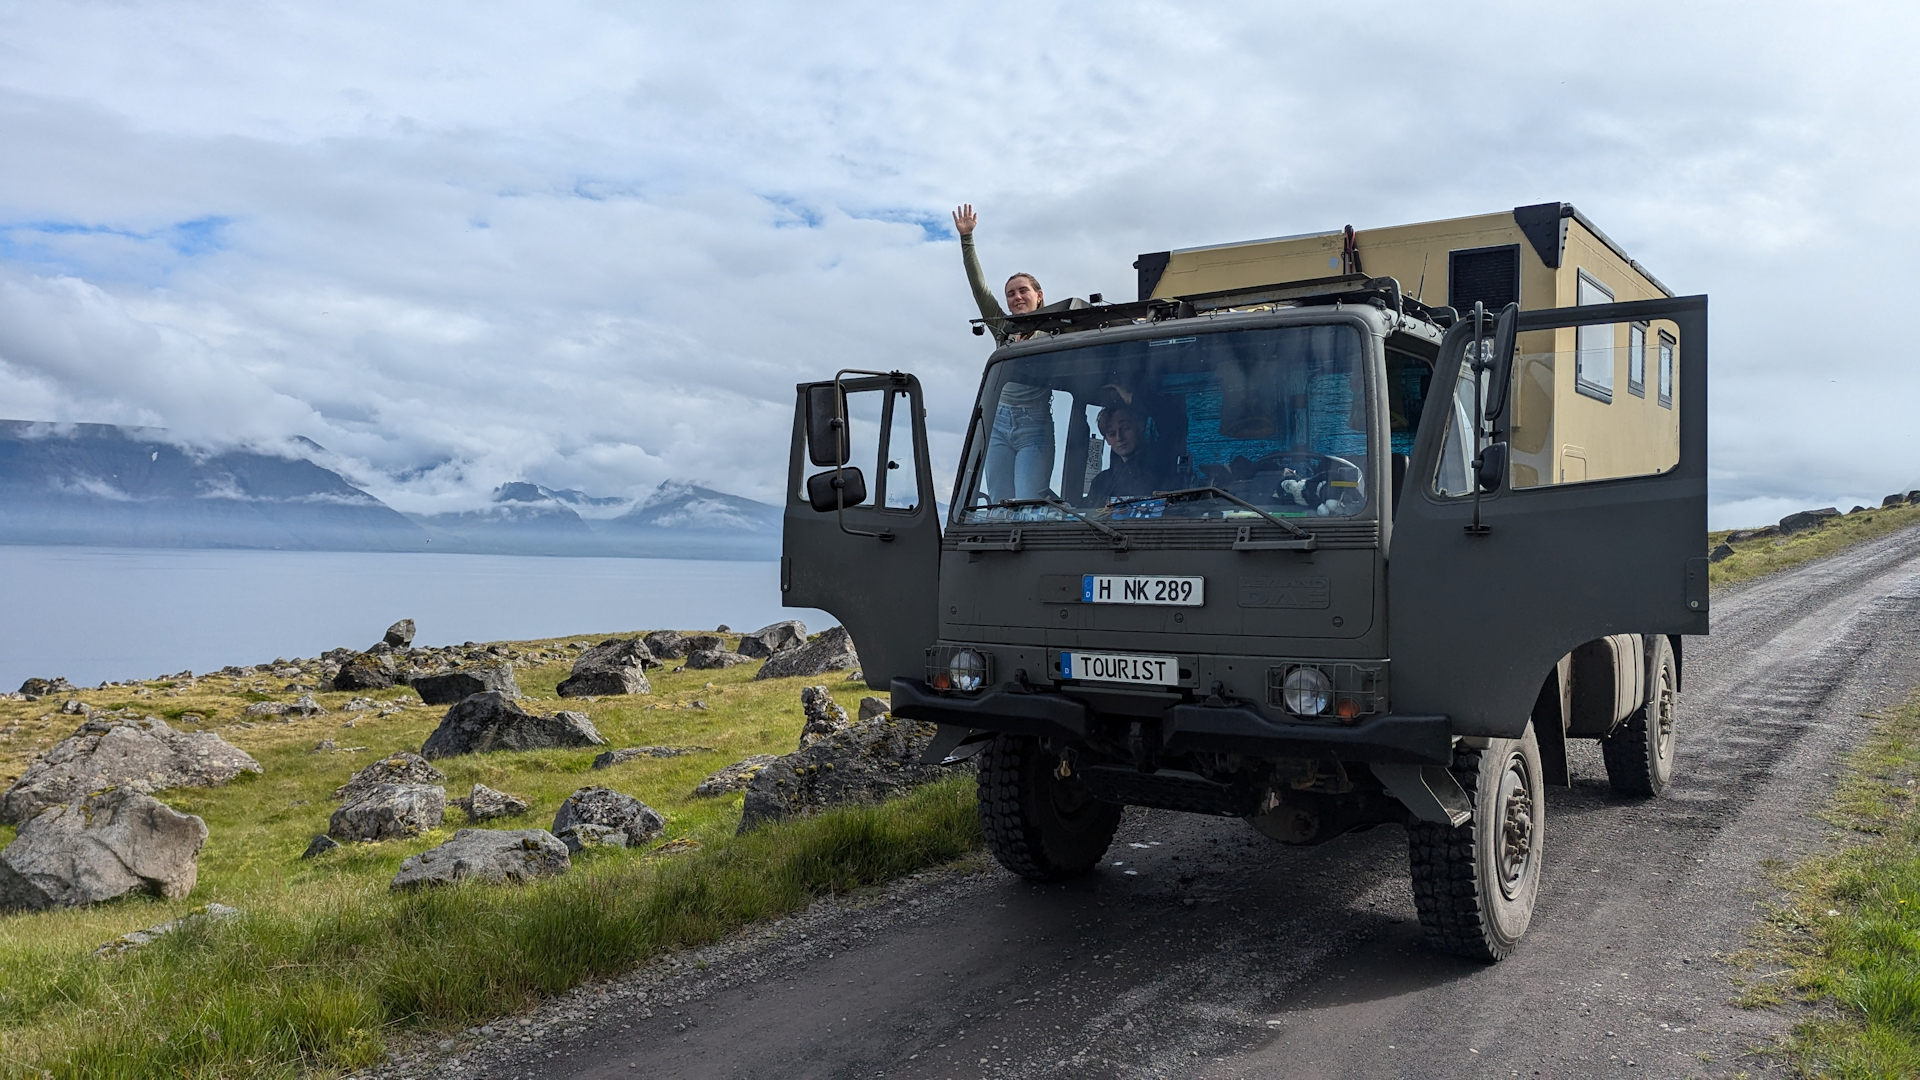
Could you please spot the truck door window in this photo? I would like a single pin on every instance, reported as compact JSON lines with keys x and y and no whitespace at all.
{"x":1559,"y":434}
{"x":1457,"y":444}
{"x":1279,"y":416}
{"x":901,"y":490}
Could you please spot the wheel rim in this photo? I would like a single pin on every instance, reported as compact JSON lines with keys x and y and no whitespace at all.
{"x":1516,"y":821}
{"x":1663,"y":740}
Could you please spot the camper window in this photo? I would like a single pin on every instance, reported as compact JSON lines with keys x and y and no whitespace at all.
{"x":1637,"y":359}
{"x":1666,"y":369}
{"x":1593,"y":363}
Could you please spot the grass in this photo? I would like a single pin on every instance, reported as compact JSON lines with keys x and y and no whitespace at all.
{"x":1846,"y":940}
{"x":326,"y":966}
{"x":1767,"y":555}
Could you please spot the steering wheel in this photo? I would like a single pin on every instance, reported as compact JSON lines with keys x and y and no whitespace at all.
{"x":1322,"y":478}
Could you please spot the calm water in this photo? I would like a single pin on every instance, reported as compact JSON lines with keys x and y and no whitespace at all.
{"x":92,"y":614}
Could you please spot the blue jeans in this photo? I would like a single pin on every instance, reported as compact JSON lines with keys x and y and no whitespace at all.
{"x":1020,"y":453}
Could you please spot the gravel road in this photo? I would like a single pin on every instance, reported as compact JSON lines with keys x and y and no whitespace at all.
{"x":1203,"y":949}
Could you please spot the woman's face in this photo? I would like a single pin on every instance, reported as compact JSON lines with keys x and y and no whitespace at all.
{"x":1022,"y":297}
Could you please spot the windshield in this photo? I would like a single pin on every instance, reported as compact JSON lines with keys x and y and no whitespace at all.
{"x":1274,"y":417}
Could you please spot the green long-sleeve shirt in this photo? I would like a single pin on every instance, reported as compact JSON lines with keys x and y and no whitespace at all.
{"x":1017,"y":394}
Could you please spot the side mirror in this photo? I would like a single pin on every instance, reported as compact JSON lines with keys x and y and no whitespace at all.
{"x":1499,"y":363}
{"x":826,"y":428}
{"x":1490,"y":466}
{"x":836,"y":489}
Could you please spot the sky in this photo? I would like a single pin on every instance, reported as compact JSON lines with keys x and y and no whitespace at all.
{"x":596,"y":245}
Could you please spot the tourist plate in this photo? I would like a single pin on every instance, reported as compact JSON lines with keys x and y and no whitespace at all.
{"x":1121,"y":668}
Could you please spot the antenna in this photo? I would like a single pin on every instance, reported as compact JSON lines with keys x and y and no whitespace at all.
{"x":1418,"y":289}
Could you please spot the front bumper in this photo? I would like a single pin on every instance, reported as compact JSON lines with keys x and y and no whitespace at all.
{"x":1231,"y":729}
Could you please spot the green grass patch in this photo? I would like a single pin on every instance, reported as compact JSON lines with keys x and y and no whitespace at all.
{"x":1846,"y":940}
{"x":325,"y":966}
{"x":1767,"y":555}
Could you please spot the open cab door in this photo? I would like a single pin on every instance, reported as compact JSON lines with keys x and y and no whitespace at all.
{"x":861,"y":532}
{"x":1578,"y":510}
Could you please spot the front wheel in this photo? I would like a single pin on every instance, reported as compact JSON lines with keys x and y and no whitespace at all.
{"x":1038,"y":824}
{"x":1639,"y":755}
{"x":1475,"y":884}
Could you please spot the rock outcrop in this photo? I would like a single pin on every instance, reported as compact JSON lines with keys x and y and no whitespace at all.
{"x":490,"y":721}
{"x":1720,"y":551}
{"x":862,"y":763}
{"x":822,"y":716}
{"x":604,"y":806}
{"x":634,"y":753}
{"x":773,"y":638}
{"x":616,"y":666}
{"x":734,"y":777}
{"x":832,"y":650}
{"x":485,"y":804}
{"x":399,"y":635}
{"x":450,"y":687}
{"x":39,"y":688}
{"x":873,"y":708}
{"x":206,"y":913}
{"x":375,"y":669}
{"x":714,"y":659}
{"x":666,"y":644}
{"x":1807,"y":519}
{"x":104,"y":846}
{"x":143,"y":755}
{"x":386,"y":811}
{"x":403,"y":767}
{"x":496,"y":856}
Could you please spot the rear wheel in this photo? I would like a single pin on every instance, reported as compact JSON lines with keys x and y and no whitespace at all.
{"x":1038,"y":824}
{"x":1474,"y":885}
{"x":1639,"y":755}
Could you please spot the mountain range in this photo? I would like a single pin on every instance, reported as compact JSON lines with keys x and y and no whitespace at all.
{"x":106,"y":485}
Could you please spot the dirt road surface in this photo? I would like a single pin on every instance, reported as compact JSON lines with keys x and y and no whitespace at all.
{"x":1201,"y":949}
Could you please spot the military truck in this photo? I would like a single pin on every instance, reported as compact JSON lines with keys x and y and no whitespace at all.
{"x":1313,"y":550}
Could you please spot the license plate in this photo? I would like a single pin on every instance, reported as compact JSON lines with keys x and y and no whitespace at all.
{"x":1143,"y":589}
{"x":1121,"y":667}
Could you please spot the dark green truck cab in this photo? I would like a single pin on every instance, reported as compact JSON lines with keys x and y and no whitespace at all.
{"x":1268,"y":556}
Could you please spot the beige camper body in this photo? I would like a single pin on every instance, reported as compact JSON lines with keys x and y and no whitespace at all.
{"x":1592,"y":403}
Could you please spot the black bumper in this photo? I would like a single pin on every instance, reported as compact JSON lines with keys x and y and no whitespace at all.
{"x":1232,"y":729}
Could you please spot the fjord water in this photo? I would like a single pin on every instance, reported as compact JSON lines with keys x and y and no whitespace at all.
{"x":92,"y":614}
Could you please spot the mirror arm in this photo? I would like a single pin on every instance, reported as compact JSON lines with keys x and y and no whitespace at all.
{"x":1478,"y":366}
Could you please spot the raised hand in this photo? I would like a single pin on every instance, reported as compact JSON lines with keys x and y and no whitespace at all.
{"x":964,"y":219}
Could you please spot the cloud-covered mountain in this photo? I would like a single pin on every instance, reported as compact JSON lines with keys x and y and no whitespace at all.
{"x":107,"y":485}
{"x":135,"y":487}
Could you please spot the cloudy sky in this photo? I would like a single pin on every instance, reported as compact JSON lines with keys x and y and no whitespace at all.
{"x":595,"y":245}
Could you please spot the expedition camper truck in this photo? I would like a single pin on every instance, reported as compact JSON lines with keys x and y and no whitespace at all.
{"x":1382,"y":557}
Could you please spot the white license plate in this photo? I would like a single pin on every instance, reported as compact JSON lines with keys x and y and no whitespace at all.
{"x":1121,"y":667}
{"x":1143,"y":589}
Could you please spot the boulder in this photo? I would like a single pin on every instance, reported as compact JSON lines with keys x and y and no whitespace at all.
{"x":714,"y":659}
{"x":142,"y":755}
{"x":491,"y":721}
{"x":823,"y":716}
{"x":402,"y":767}
{"x":1721,"y":551}
{"x":369,"y":670}
{"x":1857,"y":509}
{"x":205,"y":913}
{"x":604,"y":806}
{"x":863,"y":763}
{"x":319,"y":845}
{"x":773,"y":638}
{"x":104,"y":846}
{"x":1806,"y":519}
{"x":616,"y":666}
{"x":1913,"y":497}
{"x":495,"y":856}
{"x":385,"y":811}
{"x":451,"y":687}
{"x":666,"y":644}
{"x":1895,"y":499}
{"x":634,"y":753}
{"x":580,"y":837}
{"x":734,"y":777}
{"x":399,"y":635}
{"x":873,"y":708}
{"x":39,"y":688}
{"x":485,"y":804}
{"x":705,"y":643}
{"x":832,"y":650}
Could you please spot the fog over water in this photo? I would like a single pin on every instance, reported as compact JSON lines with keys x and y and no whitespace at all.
{"x":94,"y":614}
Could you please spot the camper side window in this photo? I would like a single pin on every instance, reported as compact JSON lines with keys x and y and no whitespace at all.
{"x":1593,"y":356}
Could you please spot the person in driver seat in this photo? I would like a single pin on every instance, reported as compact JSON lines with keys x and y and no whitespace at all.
{"x":1135,"y":470}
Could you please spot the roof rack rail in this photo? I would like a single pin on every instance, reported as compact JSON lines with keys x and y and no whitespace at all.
{"x":1348,"y":289}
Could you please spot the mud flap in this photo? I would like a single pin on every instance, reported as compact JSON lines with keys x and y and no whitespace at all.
{"x":1429,"y":792}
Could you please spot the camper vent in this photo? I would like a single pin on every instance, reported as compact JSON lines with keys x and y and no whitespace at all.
{"x":1489,"y":275}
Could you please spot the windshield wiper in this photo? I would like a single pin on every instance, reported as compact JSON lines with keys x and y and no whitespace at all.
{"x":1211,"y":492}
{"x":1118,"y":538}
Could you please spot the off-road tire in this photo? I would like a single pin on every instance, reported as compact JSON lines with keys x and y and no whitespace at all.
{"x":1639,"y":753}
{"x":1040,"y":826}
{"x":1474,"y":885}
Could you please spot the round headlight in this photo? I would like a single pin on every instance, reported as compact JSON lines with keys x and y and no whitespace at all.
{"x":967,"y":669}
{"x":1307,"y":691}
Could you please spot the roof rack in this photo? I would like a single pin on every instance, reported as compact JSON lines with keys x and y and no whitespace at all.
{"x":1070,"y":317}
